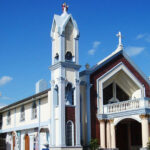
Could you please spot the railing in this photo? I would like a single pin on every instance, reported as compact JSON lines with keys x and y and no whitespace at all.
{"x":126,"y":105}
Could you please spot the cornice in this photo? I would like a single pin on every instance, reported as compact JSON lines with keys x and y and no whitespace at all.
{"x":65,"y":65}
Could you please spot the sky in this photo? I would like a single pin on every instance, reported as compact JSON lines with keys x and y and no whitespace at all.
{"x":25,"y":43}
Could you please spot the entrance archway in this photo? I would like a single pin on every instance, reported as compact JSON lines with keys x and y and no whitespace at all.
{"x":128,"y":135}
{"x":27,"y":142}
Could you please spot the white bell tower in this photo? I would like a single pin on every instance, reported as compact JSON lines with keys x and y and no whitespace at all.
{"x":65,"y":84}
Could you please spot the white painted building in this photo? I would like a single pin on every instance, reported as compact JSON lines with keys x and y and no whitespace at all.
{"x":109,"y":101}
{"x":43,"y":120}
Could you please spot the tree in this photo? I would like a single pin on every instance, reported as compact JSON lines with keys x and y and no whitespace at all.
{"x":94,"y":144}
{"x":148,"y":144}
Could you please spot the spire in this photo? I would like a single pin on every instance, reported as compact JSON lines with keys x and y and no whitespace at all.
{"x":120,"y":46}
{"x":64,"y":7}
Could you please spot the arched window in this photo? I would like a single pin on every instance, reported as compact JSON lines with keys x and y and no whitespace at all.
{"x":22,"y":114}
{"x":69,"y":94}
{"x":69,"y":40}
{"x":34,"y":110}
{"x":56,"y":95}
{"x":69,"y":133}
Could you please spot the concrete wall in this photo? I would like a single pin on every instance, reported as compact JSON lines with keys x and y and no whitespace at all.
{"x":16,"y":114}
{"x":70,"y":75}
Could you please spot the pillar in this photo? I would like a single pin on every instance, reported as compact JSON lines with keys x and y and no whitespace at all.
{"x":145,"y":130}
{"x":108,"y":134}
{"x":31,"y":141}
{"x":77,"y":111}
{"x":113,"y":134}
{"x":102,"y":134}
{"x":62,"y":126}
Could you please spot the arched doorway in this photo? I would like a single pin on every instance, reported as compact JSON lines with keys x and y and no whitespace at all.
{"x":128,"y":135}
{"x":27,"y":142}
{"x":44,"y":137}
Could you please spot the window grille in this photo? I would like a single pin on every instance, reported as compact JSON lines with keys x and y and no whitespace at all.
{"x":34,"y":110}
{"x":69,"y":133}
{"x":8,"y":118}
{"x":22,"y":114}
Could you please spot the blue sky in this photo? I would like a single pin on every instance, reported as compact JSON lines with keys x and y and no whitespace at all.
{"x":25,"y":43}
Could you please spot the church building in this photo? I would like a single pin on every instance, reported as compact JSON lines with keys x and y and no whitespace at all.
{"x":109,"y":102}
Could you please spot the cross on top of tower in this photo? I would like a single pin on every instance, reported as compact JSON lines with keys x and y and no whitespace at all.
{"x":119,"y":35}
{"x":65,"y":7}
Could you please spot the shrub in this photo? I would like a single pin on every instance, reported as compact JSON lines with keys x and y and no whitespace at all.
{"x":148,"y":144}
{"x":94,"y":144}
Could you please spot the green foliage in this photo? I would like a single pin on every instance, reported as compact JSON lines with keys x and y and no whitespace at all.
{"x":94,"y":144}
{"x":148,"y":144}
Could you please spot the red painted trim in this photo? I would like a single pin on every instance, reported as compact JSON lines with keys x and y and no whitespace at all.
{"x":95,"y":130}
{"x":70,"y":115}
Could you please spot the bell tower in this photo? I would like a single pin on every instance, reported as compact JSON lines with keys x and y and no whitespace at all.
{"x":65,"y":84}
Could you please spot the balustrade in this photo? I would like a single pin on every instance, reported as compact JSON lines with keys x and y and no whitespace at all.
{"x":126,"y":105}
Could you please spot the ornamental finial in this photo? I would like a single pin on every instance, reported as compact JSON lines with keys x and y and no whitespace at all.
{"x":120,"y":38}
{"x":65,"y":7}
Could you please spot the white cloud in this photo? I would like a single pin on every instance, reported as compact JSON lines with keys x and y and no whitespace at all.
{"x":95,"y":46}
{"x":5,"y":98}
{"x":2,"y":105}
{"x":140,"y":36}
{"x":4,"y":80}
{"x":147,"y":38}
{"x":91,"y":51}
{"x":144,"y":36}
{"x":133,"y":50}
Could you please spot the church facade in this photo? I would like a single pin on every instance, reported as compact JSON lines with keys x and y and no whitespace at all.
{"x":109,"y":102}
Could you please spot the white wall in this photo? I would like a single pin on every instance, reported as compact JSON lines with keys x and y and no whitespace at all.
{"x":15,"y":117}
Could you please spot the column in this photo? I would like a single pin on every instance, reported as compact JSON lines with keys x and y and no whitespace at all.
{"x":52,"y":112}
{"x":108,"y":134}
{"x":62,"y":48}
{"x":31,"y":141}
{"x":113,"y":134}
{"x":62,"y":125}
{"x":145,"y":130}
{"x":88,"y":108}
{"x":102,"y":133}
{"x":77,"y":110}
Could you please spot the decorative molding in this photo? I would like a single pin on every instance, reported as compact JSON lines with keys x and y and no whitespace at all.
{"x":77,"y":81}
{"x":111,"y":120}
{"x":66,"y":65}
{"x":52,"y":82}
{"x":108,"y":75}
{"x":103,"y":120}
{"x":61,"y":80}
{"x":124,"y":114}
{"x":133,"y":117}
{"x":144,"y":116}
{"x":26,"y":127}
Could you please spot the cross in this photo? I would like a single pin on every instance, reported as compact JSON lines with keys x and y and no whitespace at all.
{"x":65,"y":7}
{"x":120,"y":38}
